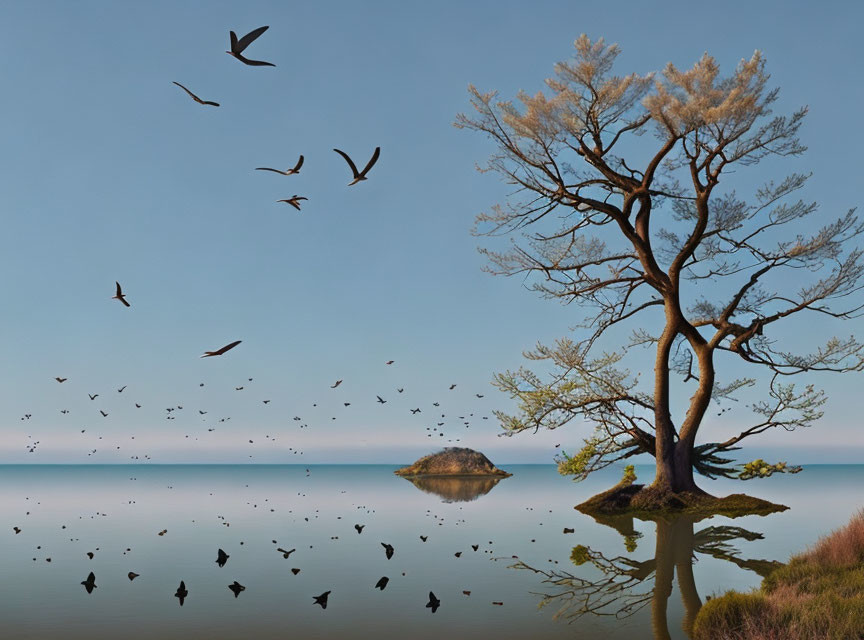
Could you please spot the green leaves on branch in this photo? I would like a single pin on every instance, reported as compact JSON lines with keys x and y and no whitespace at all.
{"x":760,"y":469}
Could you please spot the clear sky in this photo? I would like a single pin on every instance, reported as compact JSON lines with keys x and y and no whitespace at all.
{"x":110,"y":172}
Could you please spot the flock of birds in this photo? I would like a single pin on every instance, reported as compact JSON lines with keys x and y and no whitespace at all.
{"x":238,"y":46}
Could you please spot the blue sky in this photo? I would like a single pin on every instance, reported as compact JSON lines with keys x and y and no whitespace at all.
{"x":109,"y":172}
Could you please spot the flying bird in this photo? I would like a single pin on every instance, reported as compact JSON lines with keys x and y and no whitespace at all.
{"x":120,"y":390}
{"x":61,"y":380}
{"x":388,"y":549}
{"x":381,"y":400}
{"x":182,"y":592}
{"x":196,"y":98}
{"x":294,"y":201}
{"x":219,"y":352}
{"x":132,"y":575}
{"x":119,"y":295}
{"x":336,"y":384}
{"x":236,"y":588}
{"x":94,"y":396}
{"x":104,"y":415}
{"x":322,"y":599}
{"x":222,"y":558}
{"x":90,"y":582}
{"x":289,"y":172}
{"x":284,"y":553}
{"x":361,"y":175}
{"x":390,"y":362}
{"x":433,"y":603}
{"x":359,"y":528}
{"x":382,"y":583}
{"x":238,"y":46}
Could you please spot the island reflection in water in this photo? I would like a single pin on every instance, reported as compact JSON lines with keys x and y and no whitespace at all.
{"x":455,"y":488}
{"x":620,"y":586}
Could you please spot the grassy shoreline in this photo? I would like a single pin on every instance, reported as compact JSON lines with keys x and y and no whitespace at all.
{"x":818,"y":594}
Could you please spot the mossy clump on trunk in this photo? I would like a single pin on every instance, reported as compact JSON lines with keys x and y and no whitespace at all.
{"x":453,"y":461}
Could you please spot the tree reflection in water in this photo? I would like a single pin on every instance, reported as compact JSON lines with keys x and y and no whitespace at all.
{"x":616,"y":592}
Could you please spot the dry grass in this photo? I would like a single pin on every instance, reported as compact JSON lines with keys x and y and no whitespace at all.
{"x":819,"y":594}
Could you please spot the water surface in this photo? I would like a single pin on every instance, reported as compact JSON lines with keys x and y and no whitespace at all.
{"x":646,"y":579}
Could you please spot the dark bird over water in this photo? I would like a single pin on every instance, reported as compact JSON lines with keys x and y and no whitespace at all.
{"x":361,"y":175}
{"x":294,"y":201}
{"x":196,"y":98}
{"x":132,"y":575}
{"x":382,"y":583}
{"x":388,"y":549}
{"x":219,"y":352}
{"x":335,"y":384}
{"x":61,"y":380}
{"x":222,"y":558}
{"x":359,"y":527}
{"x":90,"y":583}
{"x":236,"y":588}
{"x":381,"y":400}
{"x":238,"y":46}
{"x":289,"y":172}
{"x":322,"y":599}
{"x":284,"y":553}
{"x":119,"y":295}
{"x":181,"y":592}
{"x":433,"y":603}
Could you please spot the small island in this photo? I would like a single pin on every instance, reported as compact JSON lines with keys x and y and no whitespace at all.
{"x":453,"y":461}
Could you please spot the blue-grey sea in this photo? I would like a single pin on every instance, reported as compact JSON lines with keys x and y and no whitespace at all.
{"x":620,"y":579}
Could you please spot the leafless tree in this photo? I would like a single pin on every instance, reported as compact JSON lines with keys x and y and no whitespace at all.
{"x":625,"y":239}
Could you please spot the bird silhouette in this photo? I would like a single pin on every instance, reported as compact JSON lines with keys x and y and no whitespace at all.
{"x":382,"y":583}
{"x":181,"y":592}
{"x":388,"y":549}
{"x":104,"y":415}
{"x":433,"y":603}
{"x":236,"y":588}
{"x":295,"y":571}
{"x":359,"y":527}
{"x":390,"y":362}
{"x":120,"y":390}
{"x":119,"y":295}
{"x":94,"y":396}
{"x":452,"y":386}
{"x":284,"y":553}
{"x":132,"y":575}
{"x":424,"y":538}
{"x":196,"y":98}
{"x":61,"y":380}
{"x":219,"y":352}
{"x":335,"y":384}
{"x":415,"y":411}
{"x":222,"y":558}
{"x":362,"y":174}
{"x":381,"y":400}
{"x":89,"y":583}
{"x":294,"y":201}
{"x":238,"y":46}
{"x":289,"y":172}
{"x":322,"y":599}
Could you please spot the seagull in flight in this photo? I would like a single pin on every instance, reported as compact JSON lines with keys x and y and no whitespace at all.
{"x":120,"y":295}
{"x":61,"y":380}
{"x":289,"y":172}
{"x":294,"y":201}
{"x":380,"y":399}
{"x":219,"y":352}
{"x":362,"y":174}
{"x":238,"y":46}
{"x":196,"y":98}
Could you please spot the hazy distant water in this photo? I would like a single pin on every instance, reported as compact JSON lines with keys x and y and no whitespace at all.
{"x":115,"y":508}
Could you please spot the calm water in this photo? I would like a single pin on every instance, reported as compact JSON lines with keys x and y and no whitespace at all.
{"x":652,"y":578}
